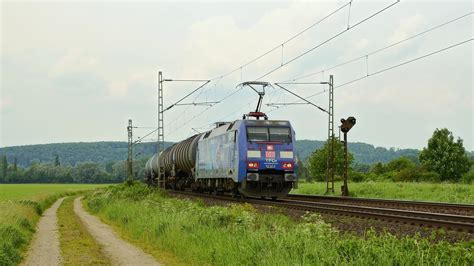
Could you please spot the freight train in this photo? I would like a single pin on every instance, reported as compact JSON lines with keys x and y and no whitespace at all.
{"x":248,"y":157}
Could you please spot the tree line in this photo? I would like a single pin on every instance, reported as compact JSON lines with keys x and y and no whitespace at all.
{"x":55,"y":172}
{"x":443,"y":160}
{"x":104,"y":152}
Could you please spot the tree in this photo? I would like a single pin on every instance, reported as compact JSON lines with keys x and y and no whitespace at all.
{"x":318,"y":160}
{"x":302,"y":171}
{"x":4,"y":167}
{"x":399,"y":164}
{"x":445,"y":156}
{"x":15,"y":166}
{"x":56,"y":161}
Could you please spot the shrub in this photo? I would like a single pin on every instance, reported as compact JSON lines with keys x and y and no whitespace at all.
{"x":400,"y":163}
{"x":12,"y":241}
{"x":468,"y":177}
{"x":356,"y":176}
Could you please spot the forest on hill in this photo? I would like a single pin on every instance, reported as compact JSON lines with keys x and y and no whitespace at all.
{"x":104,"y":162}
{"x":113,"y":151}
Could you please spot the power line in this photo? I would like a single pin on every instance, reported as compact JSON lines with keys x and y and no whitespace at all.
{"x":281,"y":105}
{"x":151,"y":132}
{"x":295,"y":58}
{"x":200,"y":113}
{"x":144,"y":127}
{"x":283,"y":43}
{"x":392,"y":67}
{"x":187,"y":95}
{"x":382,"y":49}
{"x":328,"y":40}
{"x":406,"y":62}
{"x":301,"y":98}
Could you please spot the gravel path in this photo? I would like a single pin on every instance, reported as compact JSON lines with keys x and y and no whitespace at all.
{"x":119,"y":251}
{"x":44,"y":249}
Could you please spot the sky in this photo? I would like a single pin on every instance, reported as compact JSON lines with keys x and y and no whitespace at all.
{"x":77,"y":71}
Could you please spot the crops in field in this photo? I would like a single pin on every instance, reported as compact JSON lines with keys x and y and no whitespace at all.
{"x":440,"y":192}
{"x":20,"y":209}
{"x":239,"y":234}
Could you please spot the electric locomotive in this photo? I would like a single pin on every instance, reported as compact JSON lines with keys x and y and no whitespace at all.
{"x":247,"y":157}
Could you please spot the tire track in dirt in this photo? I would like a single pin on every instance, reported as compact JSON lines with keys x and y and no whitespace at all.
{"x":119,"y":251}
{"x":44,"y":249}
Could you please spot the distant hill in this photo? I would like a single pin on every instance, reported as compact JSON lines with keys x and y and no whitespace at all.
{"x":363,"y":153}
{"x":73,"y":153}
{"x":111,"y":151}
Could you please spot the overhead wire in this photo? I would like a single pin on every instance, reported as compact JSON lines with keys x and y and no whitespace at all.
{"x":301,"y":32}
{"x":390,"y":68}
{"x":404,"y":63}
{"x":295,"y":58}
{"x":148,"y":134}
{"x":200,"y":113}
{"x":283,"y":43}
{"x":383,"y":48}
{"x":328,"y":40}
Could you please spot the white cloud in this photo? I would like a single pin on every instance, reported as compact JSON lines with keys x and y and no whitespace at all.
{"x":361,"y":43}
{"x":118,"y":89}
{"x":6,"y":103}
{"x":113,"y":56}
{"x":407,"y":26}
{"x":75,"y":60}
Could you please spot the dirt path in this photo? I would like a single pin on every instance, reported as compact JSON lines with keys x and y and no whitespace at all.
{"x":118,"y":251}
{"x":45,"y":247}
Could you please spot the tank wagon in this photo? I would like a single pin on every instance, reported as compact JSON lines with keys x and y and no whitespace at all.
{"x":246,"y":157}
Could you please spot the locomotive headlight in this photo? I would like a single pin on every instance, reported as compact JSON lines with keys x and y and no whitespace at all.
{"x":288,"y":166}
{"x":252,"y":165}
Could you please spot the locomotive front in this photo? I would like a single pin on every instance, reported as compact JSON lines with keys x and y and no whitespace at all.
{"x":268,"y":160}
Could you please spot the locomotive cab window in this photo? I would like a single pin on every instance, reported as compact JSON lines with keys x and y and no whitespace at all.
{"x":280,"y":134}
{"x":257,"y":134}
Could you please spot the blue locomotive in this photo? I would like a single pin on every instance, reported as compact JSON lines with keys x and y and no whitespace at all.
{"x":247,"y":157}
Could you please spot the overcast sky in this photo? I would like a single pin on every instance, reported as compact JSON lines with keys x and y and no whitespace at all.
{"x":78,"y":71}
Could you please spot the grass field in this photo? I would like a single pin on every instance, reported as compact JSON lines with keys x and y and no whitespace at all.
{"x":37,"y":192}
{"x":240,"y":235}
{"x":20,"y":208}
{"x":454,"y":193}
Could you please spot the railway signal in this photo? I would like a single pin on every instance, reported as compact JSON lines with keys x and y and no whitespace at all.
{"x":346,"y":125}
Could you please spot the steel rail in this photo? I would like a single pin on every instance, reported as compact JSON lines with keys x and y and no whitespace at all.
{"x":450,"y":207}
{"x":426,"y":219}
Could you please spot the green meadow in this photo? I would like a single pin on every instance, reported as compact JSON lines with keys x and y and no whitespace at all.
{"x":188,"y":232}
{"x":21,"y":206}
{"x":37,"y":192}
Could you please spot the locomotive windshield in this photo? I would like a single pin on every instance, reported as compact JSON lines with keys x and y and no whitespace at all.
{"x":281,"y":134}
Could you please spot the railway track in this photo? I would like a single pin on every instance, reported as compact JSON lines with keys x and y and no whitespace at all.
{"x":391,"y":215}
{"x":435,"y":207}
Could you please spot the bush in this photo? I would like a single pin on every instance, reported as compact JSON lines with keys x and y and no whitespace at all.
{"x":430,"y":176}
{"x":468,"y":177}
{"x":12,"y":241}
{"x":408,"y":174}
{"x":356,"y":176}
{"x":399,"y":164}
